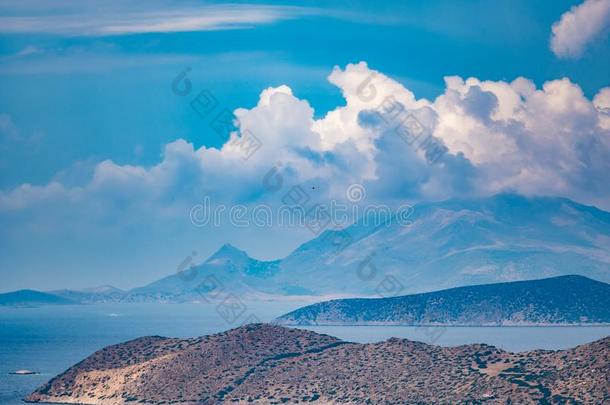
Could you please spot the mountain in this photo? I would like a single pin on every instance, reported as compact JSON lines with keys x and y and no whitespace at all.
{"x":449,"y":244}
{"x":106,"y":293}
{"x":32,"y":298}
{"x":229,"y":268}
{"x":558,"y":300}
{"x":267,"y":364}
{"x":456,"y":243}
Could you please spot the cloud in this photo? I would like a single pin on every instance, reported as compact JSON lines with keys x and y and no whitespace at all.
{"x":499,"y":136}
{"x":106,"y":217}
{"x":8,"y":129}
{"x":602,"y":103}
{"x":578,"y":27}
{"x":10,"y":134}
{"x":29,"y":50}
{"x":548,"y":141}
{"x":120,"y":18}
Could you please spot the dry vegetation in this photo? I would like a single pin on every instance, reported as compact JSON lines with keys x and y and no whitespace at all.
{"x":266,"y":364}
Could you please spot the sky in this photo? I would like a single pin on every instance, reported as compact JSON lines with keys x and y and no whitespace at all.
{"x":107,"y":145}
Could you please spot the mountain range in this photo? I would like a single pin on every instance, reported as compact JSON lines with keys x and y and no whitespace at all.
{"x":106,"y":293}
{"x":448,"y":244}
{"x":564,"y":300}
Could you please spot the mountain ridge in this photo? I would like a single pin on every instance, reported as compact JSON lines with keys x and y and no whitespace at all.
{"x":450,"y":243}
{"x":563,"y":300}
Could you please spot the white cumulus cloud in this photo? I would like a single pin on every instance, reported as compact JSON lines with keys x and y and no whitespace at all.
{"x":500,"y":136}
{"x":579,"y":26}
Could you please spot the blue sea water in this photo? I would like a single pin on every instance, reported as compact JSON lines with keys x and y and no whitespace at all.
{"x":50,"y":339}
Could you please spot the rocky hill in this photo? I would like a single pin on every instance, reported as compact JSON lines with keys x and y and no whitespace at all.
{"x":565,"y":300}
{"x":267,"y":364}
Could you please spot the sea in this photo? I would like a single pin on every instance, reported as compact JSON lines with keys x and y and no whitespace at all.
{"x":50,"y":339}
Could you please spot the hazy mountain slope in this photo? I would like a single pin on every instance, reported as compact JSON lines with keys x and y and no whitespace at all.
{"x":449,"y":244}
{"x":229,"y":266}
{"x":32,"y":298}
{"x":105,"y":293}
{"x":461,"y":242}
{"x":558,"y":300}
{"x":266,"y":364}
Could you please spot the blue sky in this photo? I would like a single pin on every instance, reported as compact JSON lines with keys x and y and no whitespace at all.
{"x":84,"y":83}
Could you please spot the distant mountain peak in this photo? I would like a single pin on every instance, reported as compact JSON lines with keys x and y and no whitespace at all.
{"x":229,"y":249}
{"x":229,"y":252}
{"x":448,"y":244}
